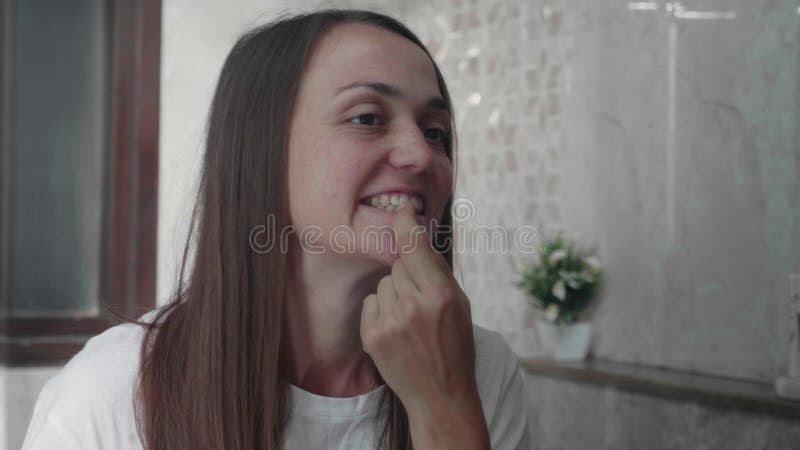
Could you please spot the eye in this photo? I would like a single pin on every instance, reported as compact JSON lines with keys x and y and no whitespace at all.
{"x":437,"y":135}
{"x":366,"y":119}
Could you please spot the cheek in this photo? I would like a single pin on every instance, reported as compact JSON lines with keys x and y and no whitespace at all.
{"x":308,"y":173}
{"x":443,"y":178}
{"x":330,"y":175}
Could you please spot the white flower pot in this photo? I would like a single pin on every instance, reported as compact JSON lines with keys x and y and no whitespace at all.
{"x":565,"y":342}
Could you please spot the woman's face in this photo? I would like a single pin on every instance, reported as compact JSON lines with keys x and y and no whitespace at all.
{"x":369,"y":121}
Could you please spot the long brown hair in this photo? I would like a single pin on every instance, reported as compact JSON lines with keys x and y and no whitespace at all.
{"x":209,"y":376}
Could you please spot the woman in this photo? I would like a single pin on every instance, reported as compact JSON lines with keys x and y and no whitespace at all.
{"x":330,"y":125}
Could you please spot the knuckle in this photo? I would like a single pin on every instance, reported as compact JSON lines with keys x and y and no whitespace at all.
{"x":443,"y":298}
{"x":377,"y":343}
{"x":397,"y":325}
{"x":413,"y":311}
{"x":408,"y":298}
{"x":399,"y":267}
{"x":375,"y":340}
{"x":367,"y":339}
{"x":368,"y":343}
{"x":385,"y":282}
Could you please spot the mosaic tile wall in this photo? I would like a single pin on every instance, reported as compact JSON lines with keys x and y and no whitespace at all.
{"x":504,"y":64}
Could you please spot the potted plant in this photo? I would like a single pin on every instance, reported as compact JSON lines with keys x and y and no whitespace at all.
{"x":561,"y":284}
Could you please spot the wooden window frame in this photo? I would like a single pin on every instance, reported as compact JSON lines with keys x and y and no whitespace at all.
{"x":130,"y":203}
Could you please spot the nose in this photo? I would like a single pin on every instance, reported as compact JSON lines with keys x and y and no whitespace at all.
{"x":411,"y":151}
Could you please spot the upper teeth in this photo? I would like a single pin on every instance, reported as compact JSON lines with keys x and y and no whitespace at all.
{"x":390,"y":202}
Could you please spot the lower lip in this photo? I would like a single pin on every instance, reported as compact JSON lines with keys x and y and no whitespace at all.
{"x":388,"y":216}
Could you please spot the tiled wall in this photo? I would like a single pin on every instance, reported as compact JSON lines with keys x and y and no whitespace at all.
{"x":505,"y":66}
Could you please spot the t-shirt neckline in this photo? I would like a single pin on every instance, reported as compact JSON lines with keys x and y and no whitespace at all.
{"x":308,"y":403}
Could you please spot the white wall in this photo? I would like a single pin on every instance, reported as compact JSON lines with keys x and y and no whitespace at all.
{"x":195,"y":38}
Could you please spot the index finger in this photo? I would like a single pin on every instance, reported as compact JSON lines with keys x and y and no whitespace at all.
{"x":414,"y":247}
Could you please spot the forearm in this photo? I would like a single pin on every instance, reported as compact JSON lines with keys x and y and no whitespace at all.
{"x":455,"y":424}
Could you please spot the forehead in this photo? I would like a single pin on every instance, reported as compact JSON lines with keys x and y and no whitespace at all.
{"x":359,"y":52}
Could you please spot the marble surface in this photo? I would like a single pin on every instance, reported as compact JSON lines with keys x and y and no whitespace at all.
{"x":686,"y":141}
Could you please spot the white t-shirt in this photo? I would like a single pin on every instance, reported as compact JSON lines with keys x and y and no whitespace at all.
{"x":89,"y":404}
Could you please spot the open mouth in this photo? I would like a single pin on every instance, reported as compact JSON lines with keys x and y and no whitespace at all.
{"x":390,"y":202}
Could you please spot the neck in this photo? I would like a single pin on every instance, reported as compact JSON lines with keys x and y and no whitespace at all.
{"x":322,"y":349}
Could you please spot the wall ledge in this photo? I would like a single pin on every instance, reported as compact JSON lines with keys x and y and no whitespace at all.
{"x":669,"y":384}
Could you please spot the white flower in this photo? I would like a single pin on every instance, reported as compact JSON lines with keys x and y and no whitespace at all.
{"x":571,"y":278}
{"x":559,"y":290}
{"x":593,"y":262}
{"x":557,"y":256}
{"x":551,"y":313}
{"x":587,"y":276}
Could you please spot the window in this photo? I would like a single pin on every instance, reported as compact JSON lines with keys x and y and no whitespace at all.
{"x":78,"y":192}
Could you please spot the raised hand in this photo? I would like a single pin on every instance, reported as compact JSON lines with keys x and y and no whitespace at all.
{"x":417,"y":328}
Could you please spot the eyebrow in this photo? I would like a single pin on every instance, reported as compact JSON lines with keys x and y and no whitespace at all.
{"x":392,"y":91}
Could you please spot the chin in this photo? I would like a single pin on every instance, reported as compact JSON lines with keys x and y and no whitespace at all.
{"x":381,"y":257}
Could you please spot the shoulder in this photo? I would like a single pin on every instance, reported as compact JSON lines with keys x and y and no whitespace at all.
{"x":104,"y":369}
{"x":490,"y":345}
{"x":495,"y":365}
{"x":90,"y":402}
{"x":501,"y":387}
